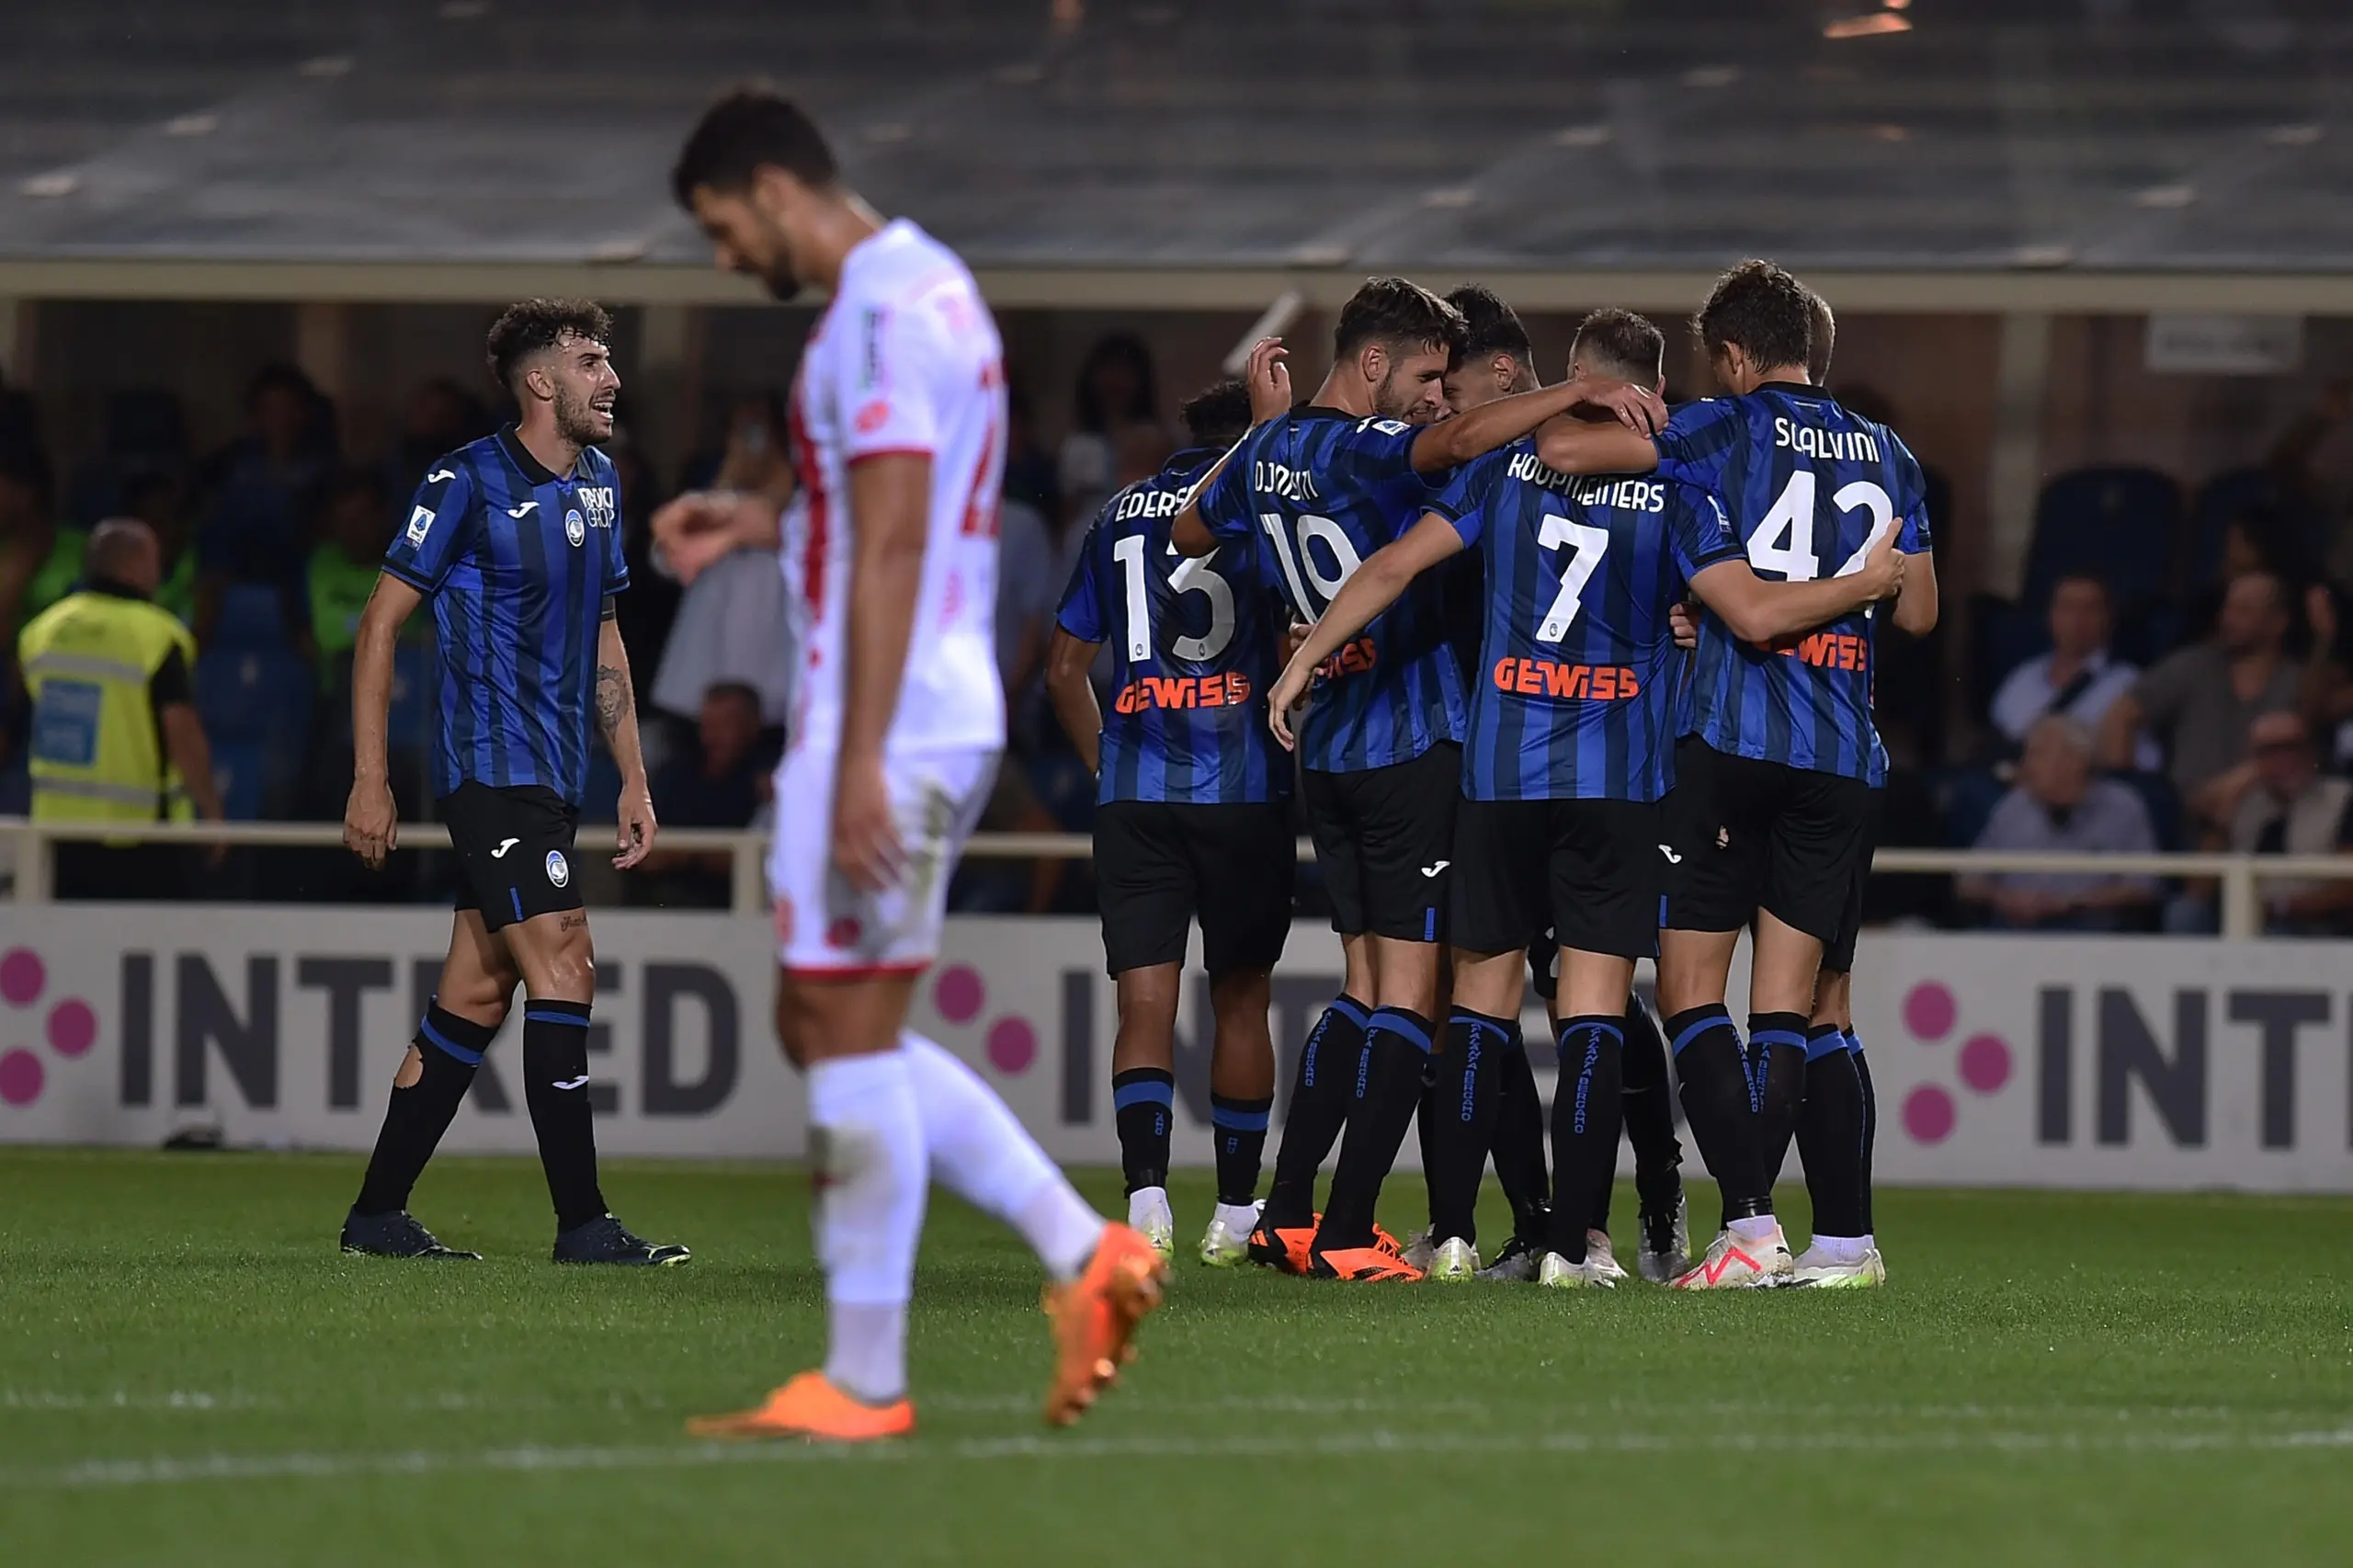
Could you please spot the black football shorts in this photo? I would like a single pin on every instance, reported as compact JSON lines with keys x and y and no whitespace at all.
{"x":1384,"y":838}
{"x":1587,"y":870}
{"x":1742,"y":836}
{"x":514,"y":851}
{"x":1159,"y":866}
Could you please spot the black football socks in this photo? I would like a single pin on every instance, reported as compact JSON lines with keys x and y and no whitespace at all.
{"x":1586,"y":1113}
{"x":1329,"y":1066}
{"x":1461,"y":1107}
{"x":1870,"y":1122}
{"x":1711,"y":1068}
{"x":1776,"y":1051}
{"x":1650,"y":1117}
{"x":1142,"y":1099}
{"x":555,"y":1087}
{"x":1240,"y":1129}
{"x":1397,"y":1047}
{"x":1830,"y":1135}
{"x":417,"y":1116}
{"x":1520,"y":1165}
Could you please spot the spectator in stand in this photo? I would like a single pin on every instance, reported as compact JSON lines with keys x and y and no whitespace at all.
{"x":732,"y":624}
{"x":159,"y":499}
{"x":354,"y":526}
{"x":439,"y":417}
{"x":40,"y":561}
{"x":651,"y":605}
{"x":2286,"y":806}
{"x":1029,"y":476}
{"x":2199,"y":701}
{"x":2316,"y":504}
{"x":2076,"y":678}
{"x":721,"y":781}
{"x":255,"y":528}
{"x":2058,"y":806}
{"x":1117,"y":390}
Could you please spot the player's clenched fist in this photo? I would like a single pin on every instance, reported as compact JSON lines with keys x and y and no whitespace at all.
{"x":370,"y":823}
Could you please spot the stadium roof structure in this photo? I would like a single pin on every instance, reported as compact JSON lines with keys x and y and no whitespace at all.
{"x":1933,"y":154}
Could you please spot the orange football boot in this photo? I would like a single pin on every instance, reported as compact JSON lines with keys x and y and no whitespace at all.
{"x":811,"y":1407}
{"x":1284,"y":1248}
{"x":1095,"y":1319}
{"x":1362,"y":1265}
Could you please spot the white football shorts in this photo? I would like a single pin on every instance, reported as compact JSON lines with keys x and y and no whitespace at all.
{"x":827,"y":927}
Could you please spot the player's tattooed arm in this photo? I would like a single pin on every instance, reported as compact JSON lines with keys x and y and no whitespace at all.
{"x":616,"y":701}
{"x":1370,"y":589}
{"x":1068,"y":659}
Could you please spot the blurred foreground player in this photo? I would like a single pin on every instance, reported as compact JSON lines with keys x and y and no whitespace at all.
{"x":1192,"y":814}
{"x":517,"y":539}
{"x":898,"y":424}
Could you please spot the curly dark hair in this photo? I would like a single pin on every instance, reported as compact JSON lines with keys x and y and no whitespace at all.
{"x":533,"y":327}
{"x":1217,"y":415}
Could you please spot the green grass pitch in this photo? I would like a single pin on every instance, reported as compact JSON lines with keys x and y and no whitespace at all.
{"x":189,"y":1373}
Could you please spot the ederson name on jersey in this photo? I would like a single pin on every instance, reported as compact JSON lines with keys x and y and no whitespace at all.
{"x":517,"y":562}
{"x":1322,"y":490}
{"x":1576,"y":688}
{"x":1192,"y":652}
{"x":1807,"y":487}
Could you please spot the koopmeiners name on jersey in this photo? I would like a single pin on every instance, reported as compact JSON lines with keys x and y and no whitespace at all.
{"x":1543,"y":677}
{"x":1229,"y":690}
{"x":1626,"y":494}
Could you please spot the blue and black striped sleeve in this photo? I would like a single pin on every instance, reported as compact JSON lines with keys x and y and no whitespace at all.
{"x":1696,"y":528}
{"x":1463,"y":502}
{"x":440,"y":519}
{"x":1697,"y":441}
{"x":1911,"y":532}
{"x":1080,"y":612}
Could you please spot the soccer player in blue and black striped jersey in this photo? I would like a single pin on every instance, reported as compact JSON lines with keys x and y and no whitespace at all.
{"x":1321,"y":488}
{"x":1776,"y":769}
{"x":1571,"y":729}
{"x":516,"y":540}
{"x":1192,"y":816}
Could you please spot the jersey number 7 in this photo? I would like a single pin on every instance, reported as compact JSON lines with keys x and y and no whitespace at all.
{"x":1194,"y":576}
{"x":1591,"y":544}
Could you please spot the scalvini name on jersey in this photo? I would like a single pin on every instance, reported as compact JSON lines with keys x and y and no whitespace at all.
{"x":1624,"y":494}
{"x":1839,"y":446}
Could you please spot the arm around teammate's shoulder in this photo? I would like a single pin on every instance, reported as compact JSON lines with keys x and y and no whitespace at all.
{"x":1760,"y":611}
{"x":1916,"y":607}
{"x":1569,"y":445}
{"x":1370,"y":588}
{"x":1452,"y":442}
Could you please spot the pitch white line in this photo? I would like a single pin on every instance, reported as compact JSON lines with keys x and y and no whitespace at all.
{"x":131,"y":1472}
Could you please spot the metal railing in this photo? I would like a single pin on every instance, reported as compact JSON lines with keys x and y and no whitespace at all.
{"x":2240,"y":876}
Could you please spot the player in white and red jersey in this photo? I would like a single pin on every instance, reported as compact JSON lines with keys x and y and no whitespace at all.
{"x":890,"y":546}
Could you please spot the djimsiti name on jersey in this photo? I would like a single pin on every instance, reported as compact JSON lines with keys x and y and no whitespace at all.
{"x":1291,"y":483}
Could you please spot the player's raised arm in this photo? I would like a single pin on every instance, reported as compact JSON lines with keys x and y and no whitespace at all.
{"x":1761,"y":611}
{"x":1370,"y":589}
{"x":370,"y":824}
{"x":1450,"y":443}
{"x":693,"y":531}
{"x":617,"y":721}
{"x":1268,"y":380}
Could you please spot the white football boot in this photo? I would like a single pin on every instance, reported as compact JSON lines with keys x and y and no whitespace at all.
{"x":1598,"y":1254}
{"x":1673,"y":1256}
{"x":1420,"y":1248}
{"x":1148,"y":1214}
{"x":1733,"y":1263}
{"x":1452,"y":1261}
{"x":1226,"y":1244}
{"x":1595,"y":1273}
{"x":1818,"y":1269}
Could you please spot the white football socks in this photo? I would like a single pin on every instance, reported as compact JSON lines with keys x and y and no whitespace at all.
{"x":866,"y":1139}
{"x":1840,"y":1249}
{"x":1146,"y":1204}
{"x":1755,"y":1228}
{"x":981,"y":1151}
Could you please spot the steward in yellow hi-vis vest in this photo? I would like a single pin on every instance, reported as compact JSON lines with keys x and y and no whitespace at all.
{"x":114,"y":718}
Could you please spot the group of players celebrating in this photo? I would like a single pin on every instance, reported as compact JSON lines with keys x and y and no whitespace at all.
{"x":1468,"y":814}
{"x":1575,"y":682}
